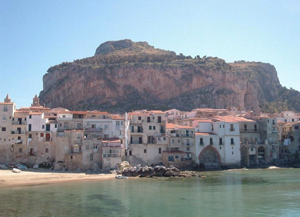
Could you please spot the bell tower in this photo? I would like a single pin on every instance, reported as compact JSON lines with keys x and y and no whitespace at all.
{"x":35,"y":101}
{"x":7,"y":99}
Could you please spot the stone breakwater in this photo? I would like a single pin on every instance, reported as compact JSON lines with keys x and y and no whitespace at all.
{"x":157,"y":171}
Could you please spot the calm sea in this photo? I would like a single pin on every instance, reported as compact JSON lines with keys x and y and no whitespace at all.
{"x":222,"y":193}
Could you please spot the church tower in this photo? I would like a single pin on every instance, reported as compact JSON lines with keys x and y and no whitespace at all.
{"x":7,"y":99}
{"x":35,"y":101}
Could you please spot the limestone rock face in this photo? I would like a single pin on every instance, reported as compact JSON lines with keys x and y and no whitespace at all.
{"x":124,"y":75}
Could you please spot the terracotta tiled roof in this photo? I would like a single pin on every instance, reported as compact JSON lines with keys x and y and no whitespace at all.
{"x":205,"y":134}
{"x":231,"y":119}
{"x":174,"y":126}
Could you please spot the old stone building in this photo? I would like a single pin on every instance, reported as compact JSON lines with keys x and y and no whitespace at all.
{"x":147,"y":138}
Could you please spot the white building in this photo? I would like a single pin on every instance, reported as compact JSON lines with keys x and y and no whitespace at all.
{"x":217,"y":142}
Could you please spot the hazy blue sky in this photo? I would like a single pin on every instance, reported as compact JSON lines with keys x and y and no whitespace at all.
{"x":35,"y":35}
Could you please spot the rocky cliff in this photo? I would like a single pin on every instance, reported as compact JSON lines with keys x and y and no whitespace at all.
{"x":124,"y":75}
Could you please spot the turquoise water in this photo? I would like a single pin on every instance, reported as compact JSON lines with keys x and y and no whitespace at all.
{"x":222,"y":193}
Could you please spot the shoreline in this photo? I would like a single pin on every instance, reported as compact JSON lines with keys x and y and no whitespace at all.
{"x":35,"y":177}
{"x":44,"y":177}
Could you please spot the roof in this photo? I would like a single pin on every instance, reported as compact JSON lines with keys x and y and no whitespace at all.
{"x":231,"y":119}
{"x":291,"y":124}
{"x":174,"y":126}
{"x":205,"y":134}
{"x":82,"y":112}
{"x":35,"y":113}
{"x":6,"y":103}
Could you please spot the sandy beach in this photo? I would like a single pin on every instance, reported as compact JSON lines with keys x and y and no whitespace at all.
{"x":41,"y":176}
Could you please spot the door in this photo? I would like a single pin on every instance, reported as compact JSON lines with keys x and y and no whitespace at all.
{"x":48,"y":137}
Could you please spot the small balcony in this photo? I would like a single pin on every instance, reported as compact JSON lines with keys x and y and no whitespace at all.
{"x":19,"y":141}
{"x":17,"y":132}
{"x":246,"y":130}
{"x":93,"y":130}
{"x":111,"y":155}
{"x":22,"y":123}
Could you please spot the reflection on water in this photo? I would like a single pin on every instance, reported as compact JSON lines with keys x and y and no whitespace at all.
{"x":222,"y":193}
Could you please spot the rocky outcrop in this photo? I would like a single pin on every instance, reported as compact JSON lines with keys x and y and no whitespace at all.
{"x":124,"y":75}
{"x":157,"y":171}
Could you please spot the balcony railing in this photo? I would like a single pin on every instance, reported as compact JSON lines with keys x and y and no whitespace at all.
{"x":243,"y":130}
{"x":18,"y":132}
{"x":111,"y":155}
{"x":93,"y":129}
{"x":19,"y":141}
{"x":19,"y":123}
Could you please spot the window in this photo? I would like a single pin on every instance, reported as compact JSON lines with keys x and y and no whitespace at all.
{"x":3,"y":129}
{"x":139,"y":118}
{"x":159,"y":119}
{"x":231,"y":127}
{"x":145,"y":150}
{"x":55,"y":125}
{"x":43,"y":126}
{"x":220,"y":147}
{"x":87,"y":147}
{"x":42,"y":135}
{"x":117,"y":123}
{"x":4,"y":118}
{"x":30,"y":136}
{"x":5,"y":108}
{"x":232,"y":141}
{"x":91,"y":157}
{"x":46,"y":150}
{"x":153,"y":127}
{"x":201,"y":141}
{"x":106,"y":127}
{"x":95,"y":147}
{"x":150,"y":127}
{"x":64,"y":116}
{"x":255,"y":127}
{"x":188,"y":148}
{"x":170,"y":158}
{"x":292,"y":120}
{"x":232,"y":152}
{"x":148,"y":119}
{"x":129,"y":153}
{"x":20,"y":150}
{"x":211,"y":141}
{"x":164,"y":138}
{"x":173,"y":141}
{"x":159,"y":150}
{"x":220,"y":141}
{"x":29,"y":116}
